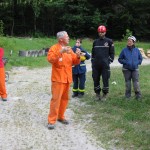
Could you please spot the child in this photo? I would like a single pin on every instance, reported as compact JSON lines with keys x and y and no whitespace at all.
{"x":79,"y":71}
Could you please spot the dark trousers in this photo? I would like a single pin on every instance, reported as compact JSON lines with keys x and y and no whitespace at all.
{"x":97,"y":72}
{"x":79,"y":83}
{"x":134,"y":76}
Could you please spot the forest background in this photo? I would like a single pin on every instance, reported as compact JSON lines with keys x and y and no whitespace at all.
{"x":80,"y":18}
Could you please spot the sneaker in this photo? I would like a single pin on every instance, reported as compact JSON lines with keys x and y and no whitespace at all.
{"x":4,"y":99}
{"x":50,"y":126}
{"x":66,"y":122}
{"x":104,"y":97}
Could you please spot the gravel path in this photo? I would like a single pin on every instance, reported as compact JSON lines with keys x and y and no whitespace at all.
{"x":23,"y":118}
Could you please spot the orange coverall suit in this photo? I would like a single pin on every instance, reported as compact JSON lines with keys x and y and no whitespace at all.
{"x":61,"y":78}
{"x":3,"y":93}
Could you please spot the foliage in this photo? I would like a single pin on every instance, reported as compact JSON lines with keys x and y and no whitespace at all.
{"x":1,"y":28}
{"x":79,"y":17}
{"x":128,"y":33}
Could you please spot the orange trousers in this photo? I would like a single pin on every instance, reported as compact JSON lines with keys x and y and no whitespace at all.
{"x":3,"y":93}
{"x":59,"y":101}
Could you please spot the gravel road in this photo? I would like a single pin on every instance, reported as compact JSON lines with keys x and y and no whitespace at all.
{"x":23,"y":118}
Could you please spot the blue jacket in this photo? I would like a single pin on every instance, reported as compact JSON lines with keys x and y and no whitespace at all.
{"x":81,"y":68}
{"x":130,"y":58}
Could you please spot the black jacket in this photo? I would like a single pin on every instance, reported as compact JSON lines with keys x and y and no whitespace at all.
{"x":103,"y":51}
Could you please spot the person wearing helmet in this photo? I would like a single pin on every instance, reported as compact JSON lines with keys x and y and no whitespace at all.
{"x":79,"y":71}
{"x":102,"y":56}
{"x":130,"y":57}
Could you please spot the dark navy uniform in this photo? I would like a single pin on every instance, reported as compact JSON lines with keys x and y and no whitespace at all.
{"x":102,"y":56}
{"x":79,"y":74}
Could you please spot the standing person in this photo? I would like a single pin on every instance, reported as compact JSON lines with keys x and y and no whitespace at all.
{"x":131,"y":57}
{"x":62,"y":58}
{"x":79,"y":71}
{"x":3,"y":93}
{"x":102,"y":56}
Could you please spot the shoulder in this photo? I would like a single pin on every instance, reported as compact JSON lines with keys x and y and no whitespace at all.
{"x":109,"y":40}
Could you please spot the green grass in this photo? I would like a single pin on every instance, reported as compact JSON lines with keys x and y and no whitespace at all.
{"x":117,"y":122}
{"x":16,"y":44}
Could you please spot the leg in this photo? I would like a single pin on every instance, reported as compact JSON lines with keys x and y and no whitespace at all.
{"x":127,"y":76}
{"x":75,"y":85}
{"x":64,"y":101}
{"x":136,"y":85}
{"x":105,"y":77}
{"x":3,"y":93}
{"x":96,"y":73}
{"x":57,"y":92}
{"x":82,"y":78}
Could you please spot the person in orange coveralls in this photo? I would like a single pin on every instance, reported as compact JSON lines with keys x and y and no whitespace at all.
{"x":3,"y":93}
{"x":62,"y":59}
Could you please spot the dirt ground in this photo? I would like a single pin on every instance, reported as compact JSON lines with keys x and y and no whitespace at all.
{"x":23,"y":118}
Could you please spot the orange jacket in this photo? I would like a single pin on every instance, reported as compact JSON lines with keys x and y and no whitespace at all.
{"x":61,"y":64}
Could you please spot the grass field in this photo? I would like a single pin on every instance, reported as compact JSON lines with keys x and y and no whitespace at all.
{"x":117,"y":122}
{"x":17,"y":44}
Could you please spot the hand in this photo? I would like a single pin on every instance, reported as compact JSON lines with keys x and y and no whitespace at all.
{"x":65,"y":49}
{"x":82,"y":54}
{"x":78,"y":52}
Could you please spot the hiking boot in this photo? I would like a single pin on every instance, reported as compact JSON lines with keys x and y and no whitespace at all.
{"x":66,"y":122}
{"x":104,"y":97}
{"x":80,"y":95}
{"x":74,"y":95}
{"x":138,"y":97}
{"x":98,"y":97}
{"x":50,"y":126}
{"x":4,"y":99}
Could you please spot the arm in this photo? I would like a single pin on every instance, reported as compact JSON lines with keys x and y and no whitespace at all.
{"x":92,"y":52}
{"x":140,"y":57}
{"x":76,"y":57}
{"x":111,"y":51}
{"x":85,"y":53}
{"x":54,"y":54}
{"x":121,"y":58}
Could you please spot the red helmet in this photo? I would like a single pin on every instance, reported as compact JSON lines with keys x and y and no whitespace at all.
{"x":101,"y":28}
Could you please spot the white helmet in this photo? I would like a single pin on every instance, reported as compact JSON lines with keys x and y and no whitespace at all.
{"x":132,"y":38}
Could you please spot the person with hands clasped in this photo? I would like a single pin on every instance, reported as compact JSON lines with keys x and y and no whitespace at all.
{"x":62,"y":59}
{"x":131,"y":57}
{"x":79,"y":71}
